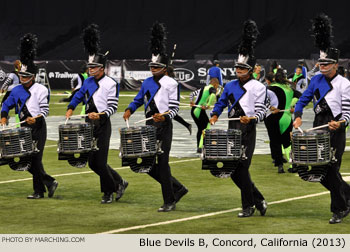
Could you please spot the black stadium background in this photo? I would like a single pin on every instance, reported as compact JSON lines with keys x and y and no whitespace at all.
{"x":202,"y":30}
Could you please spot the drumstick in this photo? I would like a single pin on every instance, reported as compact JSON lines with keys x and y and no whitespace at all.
{"x":149,"y":118}
{"x":302,"y":132}
{"x":74,"y":116}
{"x":19,"y":123}
{"x":86,"y":115}
{"x":236,"y":119}
{"x":127,"y":123}
{"x":323,"y":126}
{"x":189,"y":105}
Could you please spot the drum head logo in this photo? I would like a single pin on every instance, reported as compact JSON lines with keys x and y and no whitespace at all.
{"x":183,"y":74}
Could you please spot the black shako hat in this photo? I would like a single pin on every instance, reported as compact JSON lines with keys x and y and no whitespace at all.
{"x":97,"y":60}
{"x":330,"y":56}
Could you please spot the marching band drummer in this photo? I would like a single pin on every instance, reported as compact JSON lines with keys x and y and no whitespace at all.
{"x":100,"y":95}
{"x":11,"y":81}
{"x":31,"y":102}
{"x":245,"y":98}
{"x":160,"y":94}
{"x":331,"y":96}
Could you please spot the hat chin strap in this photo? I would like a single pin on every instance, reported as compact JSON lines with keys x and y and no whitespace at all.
{"x":243,"y":75}
{"x":326,"y":71}
{"x":158,"y":71}
{"x":26,"y":82}
{"x":92,"y":73}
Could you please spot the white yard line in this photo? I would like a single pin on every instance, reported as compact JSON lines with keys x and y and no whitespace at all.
{"x":86,"y":172}
{"x":120,"y":230}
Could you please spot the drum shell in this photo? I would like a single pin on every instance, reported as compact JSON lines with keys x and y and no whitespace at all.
{"x":222,"y":144}
{"x":138,"y":141}
{"x":311,"y":148}
{"x":16,"y":142}
{"x":75,"y":138}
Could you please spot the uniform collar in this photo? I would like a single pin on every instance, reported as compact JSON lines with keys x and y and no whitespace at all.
{"x":97,"y":80}
{"x":330,"y":79}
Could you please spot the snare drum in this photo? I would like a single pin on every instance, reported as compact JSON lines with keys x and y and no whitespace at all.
{"x":222,"y":151}
{"x":17,"y":143}
{"x":75,"y":142}
{"x":138,"y":147}
{"x":311,"y":149}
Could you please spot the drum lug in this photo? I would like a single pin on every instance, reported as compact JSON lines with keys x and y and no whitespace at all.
{"x":94,"y":144}
{"x":333,"y":151}
{"x":35,"y":144}
{"x":159,"y":147}
{"x":244,"y":157}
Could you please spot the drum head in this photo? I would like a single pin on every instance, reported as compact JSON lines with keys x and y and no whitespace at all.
{"x":79,"y":162}
{"x":23,"y":164}
{"x":15,"y":131}
{"x":221,"y":174}
{"x":74,"y":126}
{"x":315,"y":174}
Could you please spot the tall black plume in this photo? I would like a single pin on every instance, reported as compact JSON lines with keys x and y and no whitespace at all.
{"x":249,"y":37}
{"x":91,"y":39}
{"x":28,"y":48}
{"x":322,"y":31}
{"x":158,"y":39}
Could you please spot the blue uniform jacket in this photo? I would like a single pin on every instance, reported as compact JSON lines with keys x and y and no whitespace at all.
{"x":318,"y":82}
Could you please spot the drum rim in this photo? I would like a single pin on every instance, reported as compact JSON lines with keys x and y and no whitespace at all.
{"x":15,"y":130}
{"x":136,"y":128}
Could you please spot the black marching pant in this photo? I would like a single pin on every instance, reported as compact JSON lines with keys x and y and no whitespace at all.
{"x":276,"y":138}
{"x":250,"y":195}
{"x":201,"y":122}
{"x":161,"y":170}
{"x":40,"y":177}
{"x":333,"y":181}
{"x":109,"y":178}
{"x":182,"y":121}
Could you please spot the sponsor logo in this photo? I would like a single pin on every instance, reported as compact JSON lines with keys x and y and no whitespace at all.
{"x":183,"y":74}
{"x":227,"y":71}
{"x":137,"y":75}
{"x":115,"y":72}
{"x":59,"y":75}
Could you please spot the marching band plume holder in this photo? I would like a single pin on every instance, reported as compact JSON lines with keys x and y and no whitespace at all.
{"x":139,"y":147}
{"x":312,"y":154}
{"x":16,"y":148}
{"x":75,"y":143}
{"x":222,"y":151}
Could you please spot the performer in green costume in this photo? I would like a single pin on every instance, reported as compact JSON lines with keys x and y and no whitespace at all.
{"x":206,"y":97}
{"x":279,"y":123}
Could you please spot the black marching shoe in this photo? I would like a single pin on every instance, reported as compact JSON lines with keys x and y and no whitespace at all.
{"x":246,"y":212}
{"x":336,"y":218}
{"x":167,"y":207}
{"x":189,"y":127}
{"x":107,"y":198}
{"x":36,"y":195}
{"x":121,"y":189}
{"x":262,"y":207}
{"x":280,"y":169}
{"x":52,"y":188}
{"x":180,"y":193}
